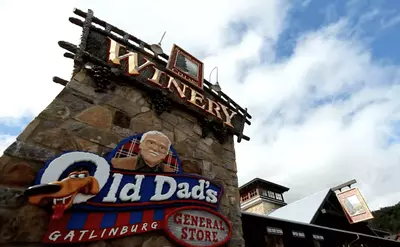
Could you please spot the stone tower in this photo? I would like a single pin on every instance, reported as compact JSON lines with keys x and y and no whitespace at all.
{"x":261,"y":197}
{"x":121,"y":88}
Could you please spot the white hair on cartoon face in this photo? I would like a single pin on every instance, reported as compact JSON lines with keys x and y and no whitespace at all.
{"x":155,"y":132}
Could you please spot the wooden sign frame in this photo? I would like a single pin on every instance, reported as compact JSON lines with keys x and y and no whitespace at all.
{"x":362,"y":213}
{"x":178,"y":53}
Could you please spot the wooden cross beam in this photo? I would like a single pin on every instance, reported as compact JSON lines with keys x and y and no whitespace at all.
{"x":347,"y":184}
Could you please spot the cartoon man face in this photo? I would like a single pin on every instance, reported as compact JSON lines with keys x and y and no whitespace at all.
{"x":154,"y":148}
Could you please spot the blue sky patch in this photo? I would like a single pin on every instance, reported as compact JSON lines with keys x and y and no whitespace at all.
{"x":375,"y":22}
{"x":12,"y":126}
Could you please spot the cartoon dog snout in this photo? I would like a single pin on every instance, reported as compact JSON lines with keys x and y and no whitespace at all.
{"x":61,"y":194}
{"x":42,"y":189}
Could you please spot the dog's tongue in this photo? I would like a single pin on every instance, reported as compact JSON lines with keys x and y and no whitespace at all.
{"x":58,"y":211}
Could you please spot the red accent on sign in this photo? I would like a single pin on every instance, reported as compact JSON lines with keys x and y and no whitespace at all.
{"x":199,"y":234}
{"x":150,"y":203}
{"x":93,"y":220}
{"x":168,"y":210}
{"x":148,"y":215}
{"x":61,"y":223}
{"x":123,"y":219}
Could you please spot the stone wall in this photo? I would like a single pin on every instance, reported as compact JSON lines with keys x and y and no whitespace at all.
{"x":263,"y":208}
{"x":269,"y":207}
{"x":80,"y":119}
{"x":256,"y":209}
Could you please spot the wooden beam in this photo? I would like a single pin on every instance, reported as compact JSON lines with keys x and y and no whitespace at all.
{"x":60,"y":81}
{"x":69,"y":55}
{"x":347,"y":184}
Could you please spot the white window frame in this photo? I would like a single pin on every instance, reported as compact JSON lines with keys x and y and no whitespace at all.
{"x":274,"y":231}
{"x":318,"y":237}
{"x":298,"y":234}
{"x":271,"y":194}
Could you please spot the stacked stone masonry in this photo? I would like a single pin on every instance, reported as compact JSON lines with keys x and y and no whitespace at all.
{"x":80,"y":119}
{"x":263,"y":208}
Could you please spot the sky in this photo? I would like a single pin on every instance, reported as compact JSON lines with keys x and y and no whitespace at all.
{"x":319,"y":78}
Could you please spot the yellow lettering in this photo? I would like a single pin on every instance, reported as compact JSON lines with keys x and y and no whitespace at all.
{"x":156,"y":77}
{"x":113,"y":52}
{"x":228,"y":116}
{"x":181,"y":91}
{"x":196,"y":98}
{"x":214,"y":108}
{"x":133,"y":58}
{"x":133,"y":64}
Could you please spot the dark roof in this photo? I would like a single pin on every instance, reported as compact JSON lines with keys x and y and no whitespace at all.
{"x":248,"y":214}
{"x":268,"y":184}
{"x":310,"y":208}
{"x":381,"y":232}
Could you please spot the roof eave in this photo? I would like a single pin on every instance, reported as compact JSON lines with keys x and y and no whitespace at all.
{"x":259,"y":180}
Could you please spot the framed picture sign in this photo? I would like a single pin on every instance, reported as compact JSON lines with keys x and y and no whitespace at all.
{"x":354,"y":206}
{"x":186,"y":67}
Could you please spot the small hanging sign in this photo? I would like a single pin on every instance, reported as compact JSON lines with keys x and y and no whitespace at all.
{"x":354,"y":206}
{"x":186,"y":67}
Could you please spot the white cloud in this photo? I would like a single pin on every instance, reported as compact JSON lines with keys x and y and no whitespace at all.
{"x":309,"y":149}
{"x":5,"y":141}
{"x":30,"y":54}
{"x":304,"y":148}
{"x":305,"y":3}
{"x":391,"y":22}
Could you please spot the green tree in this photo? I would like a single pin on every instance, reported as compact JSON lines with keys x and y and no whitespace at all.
{"x":387,"y":219}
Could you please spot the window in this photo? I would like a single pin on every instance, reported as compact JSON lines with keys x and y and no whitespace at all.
{"x":278,"y":196}
{"x":271,"y":194}
{"x":245,"y":198}
{"x":274,"y":231}
{"x":253,"y":193}
{"x":249,"y":195}
{"x":318,"y":237}
{"x":298,"y":234}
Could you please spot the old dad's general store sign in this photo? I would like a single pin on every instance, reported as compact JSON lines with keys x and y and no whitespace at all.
{"x":137,"y":188}
{"x":196,"y":226}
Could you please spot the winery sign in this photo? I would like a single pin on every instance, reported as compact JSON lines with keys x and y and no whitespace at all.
{"x":138,"y":187}
{"x":112,"y":56}
{"x":136,"y":64}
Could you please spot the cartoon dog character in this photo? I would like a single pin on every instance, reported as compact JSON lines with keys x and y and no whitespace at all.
{"x":62,"y":193}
